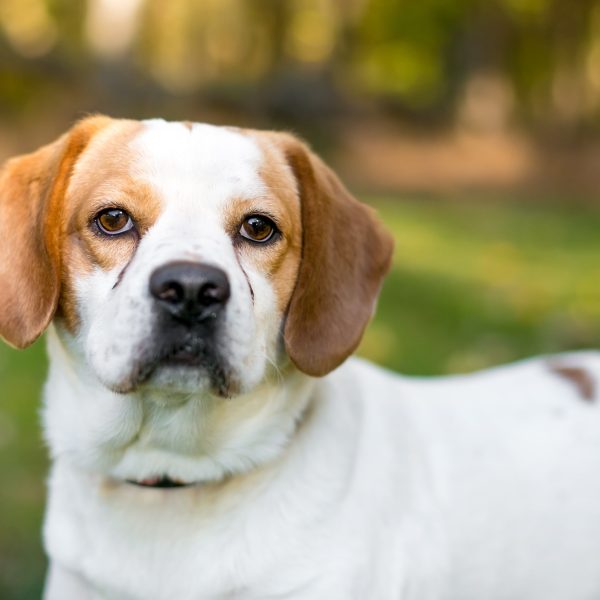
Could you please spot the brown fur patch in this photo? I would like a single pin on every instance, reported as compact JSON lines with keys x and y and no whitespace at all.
{"x":32,"y":222}
{"x":279,"y":180}
{"x":345,"y":256}
{"x":49,"y":199}
{"x":579,"y":377}
{"x":102,"y":180}
{"x":279,"y":261}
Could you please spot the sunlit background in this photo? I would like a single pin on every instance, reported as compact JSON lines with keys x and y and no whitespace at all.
{"x":472,"y":125}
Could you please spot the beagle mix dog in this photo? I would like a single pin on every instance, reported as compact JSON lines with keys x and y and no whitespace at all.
{"x":202,"y":288}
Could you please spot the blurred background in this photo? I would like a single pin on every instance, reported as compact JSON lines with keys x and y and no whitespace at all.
{"x":473,"y":126}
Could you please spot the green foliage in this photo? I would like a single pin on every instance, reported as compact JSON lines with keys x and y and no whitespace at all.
{"x":422,"y":55}
{"x":473,"y":285}
{"x":402,"y":47}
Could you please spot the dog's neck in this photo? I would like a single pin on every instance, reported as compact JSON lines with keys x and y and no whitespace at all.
{"x":140,"y":436}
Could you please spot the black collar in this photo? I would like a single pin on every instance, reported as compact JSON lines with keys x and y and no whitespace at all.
{"x":160,"y":482}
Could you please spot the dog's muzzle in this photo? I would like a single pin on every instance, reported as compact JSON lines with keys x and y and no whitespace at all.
{"x":189,"y":306}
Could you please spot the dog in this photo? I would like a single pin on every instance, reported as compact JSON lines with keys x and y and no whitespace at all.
{"x":203,"y":289}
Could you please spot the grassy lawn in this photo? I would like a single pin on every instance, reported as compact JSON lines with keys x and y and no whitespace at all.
{"x":478,"y":284}
{"x":473,"y":285}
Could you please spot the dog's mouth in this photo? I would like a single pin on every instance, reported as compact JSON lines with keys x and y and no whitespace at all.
{"x":187,"y":353}
{"x":162,"y":482}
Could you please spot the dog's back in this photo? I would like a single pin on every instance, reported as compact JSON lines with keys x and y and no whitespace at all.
{"x":496,"y":478}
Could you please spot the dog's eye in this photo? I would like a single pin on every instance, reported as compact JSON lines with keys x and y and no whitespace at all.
{"x":257,"y":228}
{"x":114,"y":221}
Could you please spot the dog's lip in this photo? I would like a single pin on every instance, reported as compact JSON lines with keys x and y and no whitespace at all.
{"x":161,"y":481}
{"x":188,"y":355}
{"x":185,"y":358}
{"x":190,"y":350}
{"x":179,"y":356}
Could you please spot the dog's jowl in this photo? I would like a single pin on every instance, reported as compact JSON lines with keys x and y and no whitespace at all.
{"x":203,"y":289}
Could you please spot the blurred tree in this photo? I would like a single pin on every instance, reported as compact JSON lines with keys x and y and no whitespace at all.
{"x":432,"y":58}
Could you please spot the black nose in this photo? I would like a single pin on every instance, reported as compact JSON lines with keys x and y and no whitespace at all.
{"x":191,"y":292}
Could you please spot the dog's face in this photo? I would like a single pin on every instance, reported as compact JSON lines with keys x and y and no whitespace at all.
{"x":184,"y":259}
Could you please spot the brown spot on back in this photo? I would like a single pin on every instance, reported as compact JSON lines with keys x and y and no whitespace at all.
{"x":579,"y":377}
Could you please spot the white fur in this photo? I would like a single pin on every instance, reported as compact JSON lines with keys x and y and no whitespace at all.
{"x":184,"y":431}
{"x":360,"y":485}
{"x":454,"y":488}
{"x":196,"y":173}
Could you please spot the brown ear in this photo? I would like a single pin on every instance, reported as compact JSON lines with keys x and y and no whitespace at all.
{"x":32,"y":188}
{"x":345,"y":256}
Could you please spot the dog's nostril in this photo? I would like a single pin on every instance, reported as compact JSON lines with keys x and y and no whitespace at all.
{"x":171,"y":292}
{"x":213,"y":294}
{"x":187,"y":290}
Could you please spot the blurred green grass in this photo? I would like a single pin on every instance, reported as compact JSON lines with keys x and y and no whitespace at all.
{"x":473,"y":284}
{"x":480,"y":283}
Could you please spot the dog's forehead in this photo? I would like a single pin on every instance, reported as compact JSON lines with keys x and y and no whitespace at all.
{"x":195,"y":162}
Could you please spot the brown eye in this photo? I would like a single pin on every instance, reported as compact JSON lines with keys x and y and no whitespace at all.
{"x":114,"y":221}
{"x":257,"y":229}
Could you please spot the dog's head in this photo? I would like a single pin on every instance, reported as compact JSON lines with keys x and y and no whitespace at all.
{"x":175,"y":255}
{"x":183,"y":259}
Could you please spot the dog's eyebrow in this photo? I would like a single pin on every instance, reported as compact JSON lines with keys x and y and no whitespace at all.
{"x":578,"y":376}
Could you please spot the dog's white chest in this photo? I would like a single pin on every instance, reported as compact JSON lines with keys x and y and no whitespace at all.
{"x":457,"y":490}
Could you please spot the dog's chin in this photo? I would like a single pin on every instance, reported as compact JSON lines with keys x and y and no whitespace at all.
{"x":183,"y":372}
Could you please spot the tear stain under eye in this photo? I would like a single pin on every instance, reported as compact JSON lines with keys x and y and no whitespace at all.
{"x":122,"y":273}
{"x":246,"y":276}
{"x":249,"y":284}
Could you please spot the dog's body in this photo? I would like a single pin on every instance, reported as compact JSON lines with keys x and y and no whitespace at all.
{"x":458,"y":488}
{"x":206,"y":284}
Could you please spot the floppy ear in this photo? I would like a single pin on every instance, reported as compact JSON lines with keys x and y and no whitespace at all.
{"x":345,"y":256}
{"x":32,"y":188}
